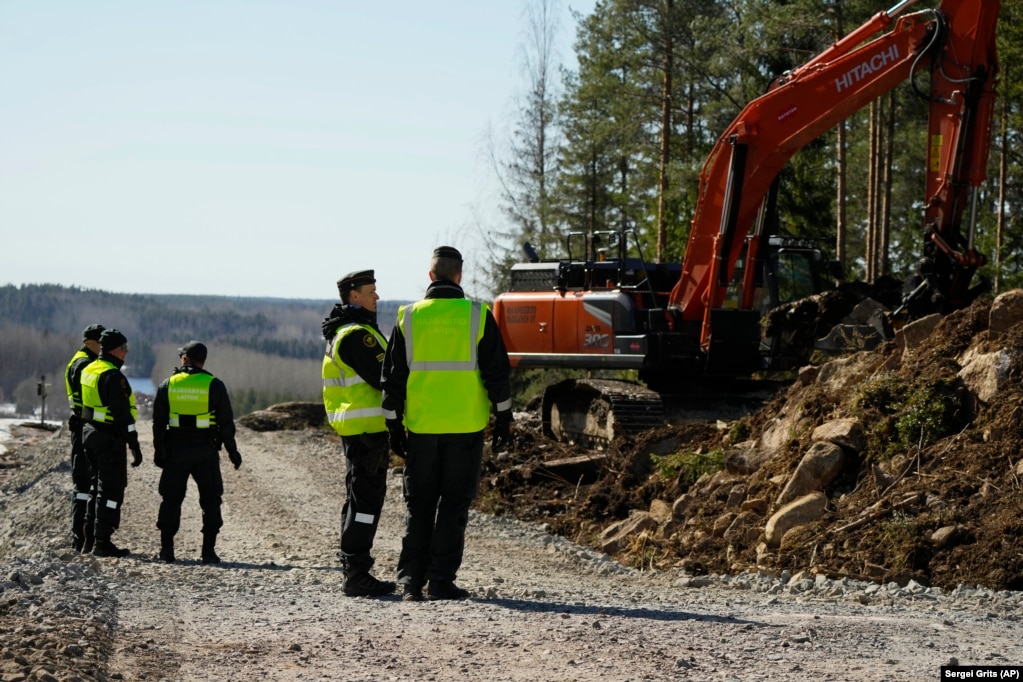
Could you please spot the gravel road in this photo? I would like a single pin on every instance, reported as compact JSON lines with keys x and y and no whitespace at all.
{"x":541,"y":607}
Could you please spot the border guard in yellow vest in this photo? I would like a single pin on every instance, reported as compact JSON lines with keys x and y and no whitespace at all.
{"x":83,"y":473}
{"x":108,"y":431}
{"x":351,"y":398}
{"x":192,"y":420}
{"x":446,"y":365}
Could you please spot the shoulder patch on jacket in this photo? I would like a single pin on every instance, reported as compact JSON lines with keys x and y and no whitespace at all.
{"x":369,"y":341}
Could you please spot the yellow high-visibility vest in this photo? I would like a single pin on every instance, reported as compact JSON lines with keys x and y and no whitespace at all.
{"x":74,"y":393}
{"x":93,"y":408}
{"x":189,"y":398}
{"x":445,"y":392}
{"x":352,"y":405}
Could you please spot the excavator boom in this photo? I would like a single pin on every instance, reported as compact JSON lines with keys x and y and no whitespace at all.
{"x":957,"y":41}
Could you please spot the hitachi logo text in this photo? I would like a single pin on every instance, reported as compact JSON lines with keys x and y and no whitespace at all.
{"x":866,"y":67}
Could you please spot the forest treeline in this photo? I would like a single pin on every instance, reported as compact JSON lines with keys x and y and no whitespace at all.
{"x":267,"y":350}
{"x":619,"y":139}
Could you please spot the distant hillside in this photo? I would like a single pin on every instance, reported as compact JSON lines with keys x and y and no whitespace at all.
{"x":40,"y":327}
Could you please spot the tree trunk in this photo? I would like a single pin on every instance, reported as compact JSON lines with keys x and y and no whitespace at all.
{"x":1003,"y":172}
{"x":886,"y":212}
{"x":869,"y":251}
{"x":665,"y":151}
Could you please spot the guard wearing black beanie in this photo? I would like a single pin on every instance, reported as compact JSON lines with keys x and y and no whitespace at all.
{"x":108,"y":413}
{"x":83,"y":474}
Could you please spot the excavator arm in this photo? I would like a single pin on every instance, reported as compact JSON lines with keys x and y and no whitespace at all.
{"x":957,"y":42}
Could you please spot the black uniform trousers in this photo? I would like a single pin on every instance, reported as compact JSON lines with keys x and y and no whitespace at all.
{"x":196,"y":458}
{"x":108,"y":453}
{"x":83,"y":479}
{"x":366,"y":459}
{"x":441,"y":479}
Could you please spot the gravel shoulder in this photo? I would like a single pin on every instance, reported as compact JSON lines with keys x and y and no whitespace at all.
{"x":541,"y":607}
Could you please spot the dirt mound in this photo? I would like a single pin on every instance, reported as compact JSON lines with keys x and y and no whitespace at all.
{"x":293,"y":416}
{"x":925,"y":483}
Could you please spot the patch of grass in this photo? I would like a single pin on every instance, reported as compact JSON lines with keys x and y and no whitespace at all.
{"x":904,"y":417}
{"x":740,"y":431}
{"x":881,"y":392}
{"x":688,"y":466}
{"x":930,"y":413}
{"x":897,"y":537}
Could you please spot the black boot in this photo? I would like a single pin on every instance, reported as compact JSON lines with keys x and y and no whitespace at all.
{"x":167,"y":547}
{"x":209,"y":541}
{"x":104,"y":547}
{"x":362,"y":584}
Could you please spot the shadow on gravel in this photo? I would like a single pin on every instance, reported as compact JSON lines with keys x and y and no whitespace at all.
{"x":647,"y":614}
{"x":266,"y":566}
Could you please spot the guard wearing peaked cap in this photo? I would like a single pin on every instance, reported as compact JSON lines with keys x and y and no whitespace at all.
{"x":436,"y":413}
{"x":83,"y":512}
{"x":108,"y":415}
{"x":351,"y":397}
{"x":192,"y":420}
{"x":355,"y":280}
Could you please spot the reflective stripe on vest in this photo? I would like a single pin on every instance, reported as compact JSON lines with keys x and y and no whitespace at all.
{"x":93,"y":408}
{"x":445,"y":393}
{"x":189,"y":398}
{"x":352,"y":405}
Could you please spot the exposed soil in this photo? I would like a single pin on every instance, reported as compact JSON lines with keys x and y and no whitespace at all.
{"x":934,"y":458}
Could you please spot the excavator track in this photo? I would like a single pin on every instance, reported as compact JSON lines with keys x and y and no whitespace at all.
{"x":596,"y":411}
{"x":593,"y":412}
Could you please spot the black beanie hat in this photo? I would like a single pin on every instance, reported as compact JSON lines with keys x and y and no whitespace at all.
{"x":93,"y":332}
{"x":111,"y":339}
{"x":195,"y":350}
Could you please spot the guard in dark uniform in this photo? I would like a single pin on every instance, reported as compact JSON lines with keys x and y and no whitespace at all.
{"x":108,"y":413}
{"x":351,"y":398}
{"x":192,"y":419}
{"x":446,"y":365}
{"x":83,"y":474}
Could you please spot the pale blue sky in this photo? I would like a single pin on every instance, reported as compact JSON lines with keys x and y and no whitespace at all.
{"x":250,"y":148}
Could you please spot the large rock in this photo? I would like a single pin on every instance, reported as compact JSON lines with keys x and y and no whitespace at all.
{"x":819,"y":466}
{"x":840,"y":376}
{"x":744,"y":458}
{"x":660,"y":511}
{"x":800,"y":512}
{"x":985,"y":374}
{"x":616,"y":536}
{"x":845,"y":432}
{"x":745,"y":528}
{"x":1006,"y":312}
{"x":916,"y":332}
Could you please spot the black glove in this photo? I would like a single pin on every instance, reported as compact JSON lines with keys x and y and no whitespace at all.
{"x":397,"y":439}
{"x":501,"y":437}
{"x":236,"y":458}
{"x":136,"y":455}
{"x":159,"y":458}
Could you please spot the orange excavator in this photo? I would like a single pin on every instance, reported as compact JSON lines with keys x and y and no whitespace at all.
{"x":605,"y":307}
